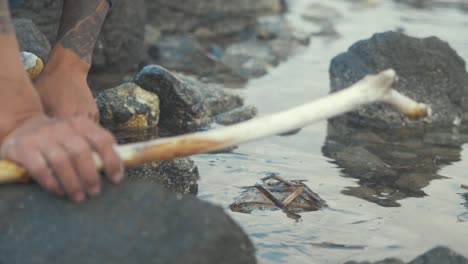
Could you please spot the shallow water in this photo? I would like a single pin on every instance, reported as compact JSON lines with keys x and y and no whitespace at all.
{"x":417,"y":225}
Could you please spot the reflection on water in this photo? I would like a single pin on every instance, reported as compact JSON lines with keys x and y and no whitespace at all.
{"x":390,"y":166}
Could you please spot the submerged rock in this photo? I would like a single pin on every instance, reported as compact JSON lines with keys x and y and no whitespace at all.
{"x":135,"y":222}
{"x":436,"y":255}
{"x":31,"y":39}
{"x":128,"y":107}
{"x":429,"y":71}
{"x":178,"y":175}
{"x":187,"y":104}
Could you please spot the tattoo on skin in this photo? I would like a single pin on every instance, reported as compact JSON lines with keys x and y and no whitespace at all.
{"x":6,"y":26}
{"x":80,"y":26}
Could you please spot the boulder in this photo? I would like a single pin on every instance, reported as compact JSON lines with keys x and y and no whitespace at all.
{"x":187,"y":104}
{"x":392,"y":157}
{"x":135,"y":222}
{"x":31,"y":39}
{"x":429,"y":71}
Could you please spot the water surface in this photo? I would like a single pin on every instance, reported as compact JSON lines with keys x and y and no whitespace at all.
{"x":404,"y":231}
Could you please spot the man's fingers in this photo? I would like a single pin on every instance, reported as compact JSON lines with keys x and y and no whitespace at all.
{"x":33,"y":161}
{"x":81,"y":156}
{"x":59,"y":161}
{"x":102,"y":142}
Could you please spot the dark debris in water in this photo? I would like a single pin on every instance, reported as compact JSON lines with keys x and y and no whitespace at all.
{"x":336,"y":246}
{"x":274,"y":193}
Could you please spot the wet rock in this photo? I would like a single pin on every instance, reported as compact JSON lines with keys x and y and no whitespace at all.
{"x":178,"y":175}
{"x":128,"y":106}
{"x":237,"y":115}
{"x":218,"y":16}
{"x":31,"y":39}
{"x":429,"y":71}
{"x":434,"y":256}
{"x":187,"y":104}
{"x":130,"y":223}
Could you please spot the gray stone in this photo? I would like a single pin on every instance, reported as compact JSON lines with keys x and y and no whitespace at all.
{"x":429,"y":71}
{"x":187,"y":104}
{"x":222,"y":17}
{"x":178,"y":175}
{"x":237,"y":115}
{"x":135,"y":222}
{"x":31,"y":39}
{"x":128,"y":106}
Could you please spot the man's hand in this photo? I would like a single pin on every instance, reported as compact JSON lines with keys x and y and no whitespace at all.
{"x":58,"y":154}
{"x":65,"y":93}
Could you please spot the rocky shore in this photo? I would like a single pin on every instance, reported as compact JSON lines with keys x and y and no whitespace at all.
{"x":168,"y":67}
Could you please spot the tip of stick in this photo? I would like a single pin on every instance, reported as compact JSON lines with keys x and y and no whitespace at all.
{"x":421,"y":111}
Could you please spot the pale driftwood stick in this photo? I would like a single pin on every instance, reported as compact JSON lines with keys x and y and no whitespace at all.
{"x":371,"y":89}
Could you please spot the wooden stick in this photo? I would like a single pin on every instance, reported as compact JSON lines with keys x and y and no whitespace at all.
{"x":371,"y":89}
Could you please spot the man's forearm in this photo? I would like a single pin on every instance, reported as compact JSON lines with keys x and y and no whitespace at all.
{"x":18,"y":99}
{"x":80,"y":26}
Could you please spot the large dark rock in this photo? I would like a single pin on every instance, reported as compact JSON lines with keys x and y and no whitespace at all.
{"x":186,"y":104}
{"x":436,"y":255}
{"x":135,"y":222}
{"x":395,"y":158}
{"x":429,"y":71}
{"x":31,"y":39}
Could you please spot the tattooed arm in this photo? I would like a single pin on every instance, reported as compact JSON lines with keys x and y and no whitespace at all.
{"x":56,"y":152}
{"x":62,"y":86}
